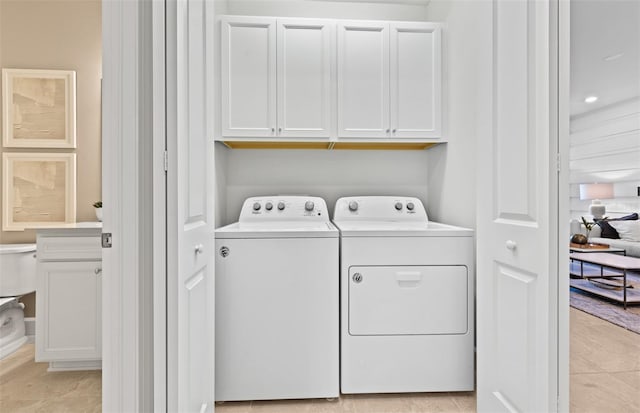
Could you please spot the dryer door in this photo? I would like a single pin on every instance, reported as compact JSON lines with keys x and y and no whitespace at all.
{"x":408,"y":300}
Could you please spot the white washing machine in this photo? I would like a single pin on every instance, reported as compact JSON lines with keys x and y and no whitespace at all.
{"x":277,"y":307}
{"x":407,"y":298}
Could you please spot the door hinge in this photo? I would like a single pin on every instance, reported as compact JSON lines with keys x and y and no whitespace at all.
{"x":558,"y":164}
{"x":106,"y":240}
{"x":166,"y":161}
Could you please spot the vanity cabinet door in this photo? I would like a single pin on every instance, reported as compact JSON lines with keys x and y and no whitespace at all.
{"x":68,"y":306}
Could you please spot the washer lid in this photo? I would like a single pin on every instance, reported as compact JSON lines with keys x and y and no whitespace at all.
{"x":352,"y":228}
{"x":283,"y":229}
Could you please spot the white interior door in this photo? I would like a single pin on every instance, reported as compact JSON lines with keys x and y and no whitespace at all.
{"x":517,"y":211}
{"x":190,"y":223}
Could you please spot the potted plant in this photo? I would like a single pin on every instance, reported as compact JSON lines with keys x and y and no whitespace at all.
{"x":98,"y":207}
{"x":588,"y":226}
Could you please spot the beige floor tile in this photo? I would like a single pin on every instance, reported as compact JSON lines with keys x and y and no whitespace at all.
{"x":466,"y":402}
{"x":233,"y":407}
{"x":605,"y":377}
{"x":602,"y":392}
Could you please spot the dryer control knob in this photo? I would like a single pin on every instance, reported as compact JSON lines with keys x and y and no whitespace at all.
{"x":256,"y":206}
{"x":268,"y":206}
{"x":398,"y":206}
{"x":410,"y":206}
{"x":353,"y":206}
{"x":280,"y":206}
{"x":309,"y":205}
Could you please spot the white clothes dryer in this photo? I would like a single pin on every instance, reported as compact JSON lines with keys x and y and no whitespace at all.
{"x":277,"y":306}
{"x":407,"y":298}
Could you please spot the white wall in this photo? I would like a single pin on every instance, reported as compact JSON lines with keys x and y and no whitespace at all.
{"x":324,"y":173}
{"x":605,"y":147}
{"x":451,"y":171}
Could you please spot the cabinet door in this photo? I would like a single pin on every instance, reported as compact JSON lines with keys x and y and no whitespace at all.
{"x":68,"y":311}
{"x":415,"y":80}
{"x":363,"y":80}
{"x":248,"y":76}
{"x":305,"y":62}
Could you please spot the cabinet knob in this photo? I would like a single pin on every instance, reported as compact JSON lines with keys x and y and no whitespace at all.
{"x":97,"y":271}
{"x":511,"y":245}
{"x":199,"y":248}
{"x":387,"y":131}
{"x":273,"y":130}
{"x":394,"y":131}
{"x":279,"y":130}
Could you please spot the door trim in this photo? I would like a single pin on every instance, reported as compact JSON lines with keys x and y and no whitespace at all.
{"x":127,"y":187}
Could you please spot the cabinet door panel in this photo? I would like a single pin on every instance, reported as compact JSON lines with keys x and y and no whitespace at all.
{"x":69,"y":311}
{"x":415,"y":80}
{"x":363,"y":80}
{"x":248,"y":76}
{"x":305,"y":56}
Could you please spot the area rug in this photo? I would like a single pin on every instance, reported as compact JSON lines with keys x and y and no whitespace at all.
{"x":607,"y":310}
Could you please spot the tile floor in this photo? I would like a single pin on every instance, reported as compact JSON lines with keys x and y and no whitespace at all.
{"x":605,"y":378}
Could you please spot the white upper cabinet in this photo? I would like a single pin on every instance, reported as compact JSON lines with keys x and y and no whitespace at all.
{"x":363,"y":80}
{"x":305,"y":75}
{"x":277,"y":77}
{"x":248,"y":76}
{"x":389,"y":80}
{"x":288,"y":79}
{"x":415,"y":75}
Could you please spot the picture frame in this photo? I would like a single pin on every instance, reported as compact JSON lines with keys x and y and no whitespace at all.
{"x":39,"y":190}
{"x":38,"y":108}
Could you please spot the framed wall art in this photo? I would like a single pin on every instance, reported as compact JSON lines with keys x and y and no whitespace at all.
{"x":38,"y":108}
{"x":39,"y":190}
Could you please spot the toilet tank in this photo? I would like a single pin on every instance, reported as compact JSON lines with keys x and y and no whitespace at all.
{"x":17,"y":269}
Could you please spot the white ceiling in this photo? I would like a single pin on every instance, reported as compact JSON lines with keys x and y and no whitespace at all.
{"x":601,"y":28}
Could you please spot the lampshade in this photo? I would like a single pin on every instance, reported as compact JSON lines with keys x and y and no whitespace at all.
{"x":596,"y":191}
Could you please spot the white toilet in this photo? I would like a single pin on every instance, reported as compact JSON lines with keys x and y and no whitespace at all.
{"x":17,"y":278}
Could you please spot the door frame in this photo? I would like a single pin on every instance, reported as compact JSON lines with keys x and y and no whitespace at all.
{"x":129,"y":191}
{"x":130,"y":28}
{"x":562,"y":293}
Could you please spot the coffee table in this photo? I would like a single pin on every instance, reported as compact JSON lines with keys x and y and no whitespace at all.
{"x":593,"y":248}
{"x":612,"y":266}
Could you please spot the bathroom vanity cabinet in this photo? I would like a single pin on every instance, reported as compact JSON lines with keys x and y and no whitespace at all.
{"x":68,"y":297}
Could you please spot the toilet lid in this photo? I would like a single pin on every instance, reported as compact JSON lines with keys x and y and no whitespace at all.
{"x":6,"y":300}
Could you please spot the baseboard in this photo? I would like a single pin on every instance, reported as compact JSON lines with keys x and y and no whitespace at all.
{"x":75,"y":365}
{"x":30,"y":329}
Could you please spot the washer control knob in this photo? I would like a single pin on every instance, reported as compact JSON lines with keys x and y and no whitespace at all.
{"x":309,"y":205}
{"x":268,"y":206}
{"x":256,"y":206}
{"x":398,"y":206}
{"x":280,"y":205}
{"x":410,"y":206}
{"x":353,"y":206}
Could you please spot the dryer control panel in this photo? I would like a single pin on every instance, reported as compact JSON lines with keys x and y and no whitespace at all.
{"x":380,"y":208}
{"x":283,"y":208}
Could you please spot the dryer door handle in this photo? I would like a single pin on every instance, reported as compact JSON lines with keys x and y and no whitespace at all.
{"x":408,"y":279}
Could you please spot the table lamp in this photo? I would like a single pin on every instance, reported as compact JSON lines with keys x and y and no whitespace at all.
{"x":596,"y":192}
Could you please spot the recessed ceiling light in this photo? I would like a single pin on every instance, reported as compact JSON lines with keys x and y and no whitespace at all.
{"x":591,"y":99}
{"x":613,"y":57}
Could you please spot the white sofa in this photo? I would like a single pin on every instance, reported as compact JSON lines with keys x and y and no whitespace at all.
{"x":631,"y":247}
